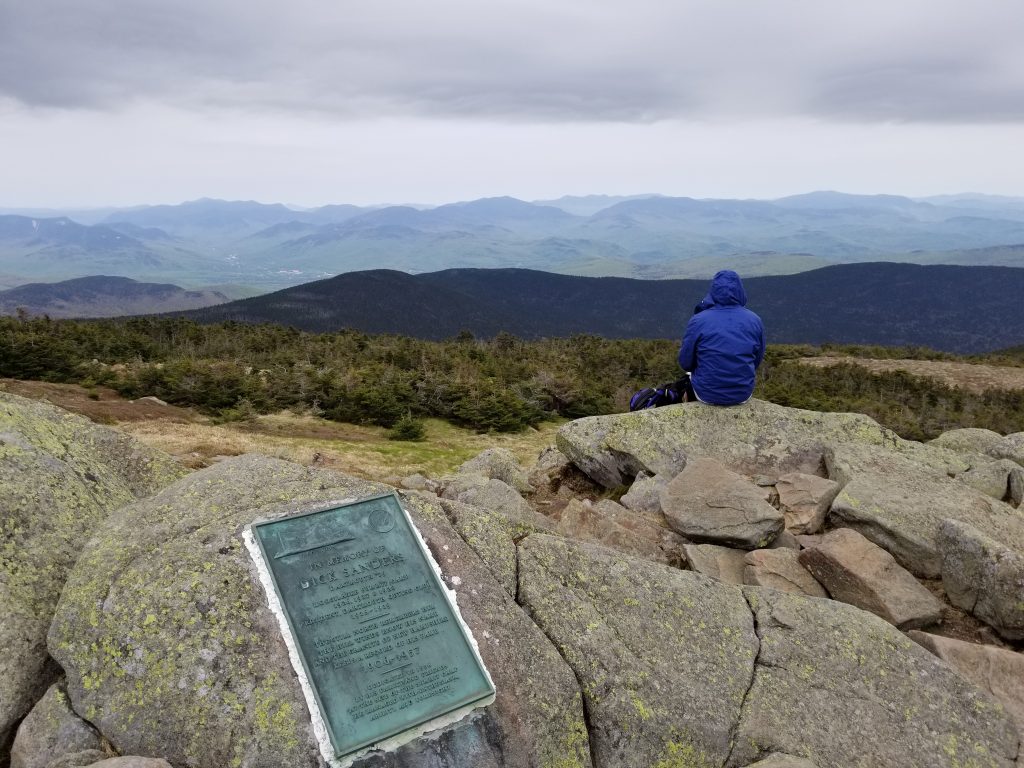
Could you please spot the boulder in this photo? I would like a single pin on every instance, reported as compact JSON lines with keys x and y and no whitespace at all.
{"x":997,"y":671}
{"x":644,"y":495}
{"x":968,"y":440}
{"x":899,"y":503}
{"x":498,"y":464}
{"x":709,"y":503}
{"x":612,"y":525}
{"x":843,"y":688}
{"x":805,"y":500}
{"x":51,"y":730}
{"x":171,"y":649}
{"x":60,"y":476}
{"x":418,"y":482}
{"x":493,"y":536}
{"x":984,"y":441}
{"x":663,"y":656}
{"x":754,"y":438}
{"x":720,"y":563}
{"x":1001,"y":479}
{"x":780,"y":569}
{"x":984,"y":577}
{"x":860,"y":573}
{"x":495,"y":495}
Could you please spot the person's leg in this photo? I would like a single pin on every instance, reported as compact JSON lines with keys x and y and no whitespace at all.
{"x":686,"y":389}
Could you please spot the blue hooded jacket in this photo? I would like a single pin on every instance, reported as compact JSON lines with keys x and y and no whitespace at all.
{"x":724,"y":344}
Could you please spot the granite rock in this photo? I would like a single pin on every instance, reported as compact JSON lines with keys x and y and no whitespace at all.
{"x":720,"y":563}
{"x":50,"y":731}
{"x":219,"y":689}
{"x":844,"y":689}
{"x":707,"y":502}
{"x":780,"y":569}
{"x":805,"y":500}
{"x":984,"y":577}
{"x":860,"y":573}
{"x":997,"y":671}
{"x":60,"y":476}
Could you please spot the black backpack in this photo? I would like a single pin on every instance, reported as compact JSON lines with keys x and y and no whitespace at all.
{"x":655,"y":397}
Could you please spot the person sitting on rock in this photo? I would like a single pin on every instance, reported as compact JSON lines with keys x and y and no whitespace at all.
{"x":723,"y":344}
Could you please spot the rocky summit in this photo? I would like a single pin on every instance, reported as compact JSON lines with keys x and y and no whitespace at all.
{"x":776,"y":588}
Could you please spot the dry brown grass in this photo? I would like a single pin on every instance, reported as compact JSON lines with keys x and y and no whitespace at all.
{"x":972,"y":377}
{"x":196,"y":441}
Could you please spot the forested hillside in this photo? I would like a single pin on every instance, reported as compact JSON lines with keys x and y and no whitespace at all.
{"x":233,"y":370}
{"x":956,"y":309}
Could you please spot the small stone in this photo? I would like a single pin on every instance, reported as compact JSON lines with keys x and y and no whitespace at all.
{"x":860,"y":573}
{"x":780,"y":569}
{"x":417,"y":482}
{"x":785,"y":540}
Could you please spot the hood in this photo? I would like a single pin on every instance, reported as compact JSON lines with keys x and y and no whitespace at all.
{"x":727,"y":289}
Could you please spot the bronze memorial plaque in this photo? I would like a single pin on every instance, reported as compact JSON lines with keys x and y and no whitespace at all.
{"x":382,"y":646}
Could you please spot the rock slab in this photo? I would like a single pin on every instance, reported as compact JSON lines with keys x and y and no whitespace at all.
{"x":844,"y":689}
{"x":855,"y":571}
{"x":707,"y":502}
{"x":780,"y":569}
{"x":997,"y":671}
{"x":805,"y":501}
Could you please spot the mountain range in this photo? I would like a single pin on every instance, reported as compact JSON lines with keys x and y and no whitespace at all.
{"x":951,"y":308}
{"x":259,"y":247}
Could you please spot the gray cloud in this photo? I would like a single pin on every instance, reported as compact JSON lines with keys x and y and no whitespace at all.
{"x":557,"y":60}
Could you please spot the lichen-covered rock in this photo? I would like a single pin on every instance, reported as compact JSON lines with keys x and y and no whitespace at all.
{"x":860,"y":573}
{"x":845,"y":689}
{"x":51,"y":730}
{"x":721,"y":563}
{"x":997,"y":671}
{"x":968,"y":440}
{"x":984,"y":441}
{"x":1001,"y":479}
{"x":131,"y":761}
{"x":493,"y":535}
{"x":754,"y":438}
{"x":899,"y":503}
{"x":663,"y":656}
{"x":60,"y":476}
{"x":984,"y":577}
{"x":780,"y":569}
{"x":614,"y":526}
{"x":170,"y":647}
{"x":498,"y":464}
{"x":707,"y":502}
{"x":495,"y":495}
{"x":805,"y":500}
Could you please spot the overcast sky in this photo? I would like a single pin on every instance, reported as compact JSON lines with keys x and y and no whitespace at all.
{"x":118,"y":102}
